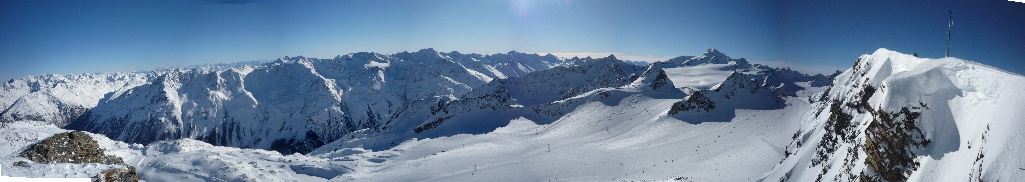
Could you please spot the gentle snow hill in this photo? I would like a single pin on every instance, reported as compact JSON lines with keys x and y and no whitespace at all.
{"x":896,"y":117}
{"x":609,"y":134}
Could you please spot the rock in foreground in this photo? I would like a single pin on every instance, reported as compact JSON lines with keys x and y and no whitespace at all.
{"x":69,"y":147}
{"x":118,"y":174}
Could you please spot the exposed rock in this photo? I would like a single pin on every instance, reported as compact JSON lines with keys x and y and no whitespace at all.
{"x":696,"y":101}
{"x":889,"y":144}
{"x":291,"y":146}
{"x":431,"y":125}
{"x":660,"y":80}
{"x":20,"y":164}
{"x":118,"y":174}
{"x":69,"y":147}
{"x":839,"y":129}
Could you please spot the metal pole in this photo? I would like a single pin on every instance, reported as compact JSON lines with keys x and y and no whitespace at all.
{"x":950,"y":25}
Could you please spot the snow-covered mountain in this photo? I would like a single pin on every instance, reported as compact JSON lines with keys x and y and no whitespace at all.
{"x":711,"y":56}
{"x":60,"y":99}
{"x":294,"y":104}
{"x":541,"y":95}
{"x":434,"y":116}
{"x":897,"y":117}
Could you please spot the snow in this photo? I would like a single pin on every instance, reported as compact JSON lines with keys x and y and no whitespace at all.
{"x":972,"y":112}
{"x":477,"y":74}
{"x":596,"y":142}
{"x":498,"y":74}
{"x":174,"y":160}
{"x":606,"y":128}
{"x":18,"y":136}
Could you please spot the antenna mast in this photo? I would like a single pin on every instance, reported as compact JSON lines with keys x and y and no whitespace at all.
{"x":949,"y":26}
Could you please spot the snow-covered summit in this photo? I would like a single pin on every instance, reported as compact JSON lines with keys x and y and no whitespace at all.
{"x":451,"y":116}
{"x":712,"y":52}
{"x":292,"y":104}
{"x":710,"y":56}
{"x":897,"y":117}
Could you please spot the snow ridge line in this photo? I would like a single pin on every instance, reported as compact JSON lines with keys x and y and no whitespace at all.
{"x":991,"y":67}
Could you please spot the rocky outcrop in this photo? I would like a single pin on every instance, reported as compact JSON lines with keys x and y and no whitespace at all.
{"x":697,"y":102}
{"x":69,"y":147}
{"x":890,"y":142}
{"x":117,"y":174}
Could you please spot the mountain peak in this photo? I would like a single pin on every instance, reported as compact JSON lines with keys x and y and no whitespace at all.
{"x":711,"y":56}
{"x":713,"y":52}
{"x":428,"y":51}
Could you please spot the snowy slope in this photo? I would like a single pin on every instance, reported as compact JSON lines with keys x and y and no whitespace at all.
{"x":701,"y":72}
{"x":893,"y":116}
{"x":609,"y":133}
{"x":59,"y":99}
{"x":492,"y":105}
{"x":173,"y":160}
{"x":294,"y":104}
{"x":19,"y":135}
{"x":612,"y":133}
{"x":435,"y":116}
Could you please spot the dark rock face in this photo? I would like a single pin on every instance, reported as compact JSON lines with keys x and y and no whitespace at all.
{"x":118,"y":174}
{"x":890,"y":142}
{"x":291,"y":146}
{"x":660,"y":80}
{"x":69,"y":147}
{"x":696,"y":101}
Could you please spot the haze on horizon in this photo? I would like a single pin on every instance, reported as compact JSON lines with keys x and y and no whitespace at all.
{"x":62,"y":37}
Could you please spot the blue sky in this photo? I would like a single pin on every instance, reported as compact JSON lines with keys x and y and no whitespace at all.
{"x":835,"y":33}
{"x":40,"y":37}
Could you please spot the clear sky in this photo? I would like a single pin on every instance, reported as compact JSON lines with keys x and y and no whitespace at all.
{"x":835,"y":33}
{"x":40,"y":37}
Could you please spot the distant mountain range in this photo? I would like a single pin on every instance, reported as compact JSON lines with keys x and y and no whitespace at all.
{"x":380,"y":117}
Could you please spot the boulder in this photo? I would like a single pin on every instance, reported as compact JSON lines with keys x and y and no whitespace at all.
{"x":69,"y":147}
{"x":118,"y":174}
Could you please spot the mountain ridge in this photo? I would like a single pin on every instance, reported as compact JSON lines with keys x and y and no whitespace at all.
{"x":430,"y":115}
